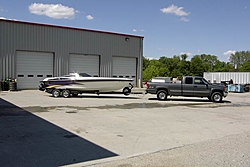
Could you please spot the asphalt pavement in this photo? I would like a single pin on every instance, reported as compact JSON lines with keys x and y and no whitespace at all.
{"x":125,"y":131}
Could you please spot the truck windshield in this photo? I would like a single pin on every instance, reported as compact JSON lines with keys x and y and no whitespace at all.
{"x":205,"y":81}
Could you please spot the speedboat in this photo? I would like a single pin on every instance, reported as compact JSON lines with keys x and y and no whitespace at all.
{"x":77,"y":83}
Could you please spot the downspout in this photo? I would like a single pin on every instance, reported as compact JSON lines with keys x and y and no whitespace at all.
{"x":140,"y":63}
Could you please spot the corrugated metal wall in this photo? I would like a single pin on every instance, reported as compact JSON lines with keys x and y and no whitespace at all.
{"x":237,"y":77}
{"x":62,"y":41}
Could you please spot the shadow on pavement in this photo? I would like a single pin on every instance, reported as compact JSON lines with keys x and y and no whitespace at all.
{"x":190,"y":100}
{"x":28,"y":140}
{"x":102,"y":96}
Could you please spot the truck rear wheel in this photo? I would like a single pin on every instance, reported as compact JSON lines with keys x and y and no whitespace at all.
{"x":216,"y":97}
{"x":162,"y":95}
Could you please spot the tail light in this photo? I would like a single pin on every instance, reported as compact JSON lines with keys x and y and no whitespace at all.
{"x":146,"y":84}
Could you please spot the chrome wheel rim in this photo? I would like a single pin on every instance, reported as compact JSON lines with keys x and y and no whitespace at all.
{"x":162,"y":95}
{"x":217,"y":97}
{"x":66,"y":93}
{"x":56,"y":93}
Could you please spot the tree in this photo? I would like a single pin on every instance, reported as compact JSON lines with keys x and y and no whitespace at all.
{"x":154,"y":69}
{"x":146,"y":62}
{"x":222,"y":66}
{"x":180,"y":66}
{"x":196,"y":66}
{"x":245,"y":67}
{"x":238,"y":58}
{"x":184,"y":65}
{"x":184,"y":57}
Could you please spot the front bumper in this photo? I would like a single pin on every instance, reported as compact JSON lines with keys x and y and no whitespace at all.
{"x":225,"y":94}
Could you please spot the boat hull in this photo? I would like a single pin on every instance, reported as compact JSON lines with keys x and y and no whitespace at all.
{"x":77,"y":83}
{"x":88,"y":86}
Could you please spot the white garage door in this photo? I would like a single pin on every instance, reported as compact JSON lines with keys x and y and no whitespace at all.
{"x":84,"y":64}
{"x":32,"y":67}
{"x":124,"y":67}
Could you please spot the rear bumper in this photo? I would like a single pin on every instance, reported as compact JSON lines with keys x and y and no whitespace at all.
{"x":151,"y":91}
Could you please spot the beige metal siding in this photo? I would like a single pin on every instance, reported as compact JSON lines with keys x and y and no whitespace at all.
{"x":62,"y":41}
{"x":84,"y":64}
{"x":237,"y":77}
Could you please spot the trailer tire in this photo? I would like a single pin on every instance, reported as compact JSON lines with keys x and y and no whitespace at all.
{"x":56,"y":93}
{"x":126,"y":91}
{"x":66,"y":93}
{"x":162,"y":95}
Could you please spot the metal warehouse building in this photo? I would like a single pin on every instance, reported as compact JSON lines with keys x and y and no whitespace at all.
{"x":30,"y":52}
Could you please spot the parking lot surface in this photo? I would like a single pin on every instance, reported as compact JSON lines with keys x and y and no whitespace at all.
{"x":117,"y":130}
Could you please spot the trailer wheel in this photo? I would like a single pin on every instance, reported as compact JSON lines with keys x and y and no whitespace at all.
{"x":56,"y":93}
{"x":126,"y":91}
{"x":162,"y":95}
{"x":216,"y":97}
{"x":65,"y":93}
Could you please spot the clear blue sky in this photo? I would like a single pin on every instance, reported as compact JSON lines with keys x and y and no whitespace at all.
{"x":169,"y":27}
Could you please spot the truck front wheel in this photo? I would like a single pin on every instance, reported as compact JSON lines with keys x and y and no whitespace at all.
{"x":216,"y":97}
{"x":162,"y":95}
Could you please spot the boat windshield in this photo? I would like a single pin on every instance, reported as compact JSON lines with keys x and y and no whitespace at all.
{"x":84,"y":75}
{"x":70,"y":75}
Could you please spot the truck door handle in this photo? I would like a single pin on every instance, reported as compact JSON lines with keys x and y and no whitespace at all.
{"x":195,"y":86}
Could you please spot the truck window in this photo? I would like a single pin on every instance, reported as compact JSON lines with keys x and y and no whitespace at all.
{"x":189,"y":80}
{"x":198,"y":81}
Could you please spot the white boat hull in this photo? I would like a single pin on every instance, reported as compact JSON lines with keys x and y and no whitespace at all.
{"x":100,"y":86}
{"x":77,"y":83}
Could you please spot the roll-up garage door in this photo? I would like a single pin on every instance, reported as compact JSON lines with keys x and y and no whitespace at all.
{"x":124,"y":67}
{"x":84,"y":64}
{"x":32,"y":67}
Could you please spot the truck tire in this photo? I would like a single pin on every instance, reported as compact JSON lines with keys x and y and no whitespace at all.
{"x":66,"y":93}
{"x":216,"y":97}
{"x":162,"y":95}
{"x":56,"y":93}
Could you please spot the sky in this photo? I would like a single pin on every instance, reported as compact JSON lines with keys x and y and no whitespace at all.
{"x":169,"y":27}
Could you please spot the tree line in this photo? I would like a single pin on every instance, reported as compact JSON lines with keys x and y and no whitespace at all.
{"x":180,"y":66}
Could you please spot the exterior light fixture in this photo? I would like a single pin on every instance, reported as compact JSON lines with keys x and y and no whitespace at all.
{"x":127,"y":39}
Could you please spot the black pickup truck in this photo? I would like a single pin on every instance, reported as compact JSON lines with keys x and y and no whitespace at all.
{"x":189,"y":86}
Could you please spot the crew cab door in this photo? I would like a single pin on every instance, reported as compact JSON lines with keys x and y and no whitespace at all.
{"x":201,"y":89}
{"x":188,"y":86}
